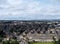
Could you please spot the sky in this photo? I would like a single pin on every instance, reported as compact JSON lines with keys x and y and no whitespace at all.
{"x":29,"y":9}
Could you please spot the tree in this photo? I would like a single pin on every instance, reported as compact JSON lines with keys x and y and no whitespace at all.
{"x":57,"y":42}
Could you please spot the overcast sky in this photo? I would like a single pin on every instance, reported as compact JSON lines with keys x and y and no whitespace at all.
{"x":29,"y":9}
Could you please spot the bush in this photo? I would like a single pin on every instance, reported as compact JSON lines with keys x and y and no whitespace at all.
{"x":10,"y":42}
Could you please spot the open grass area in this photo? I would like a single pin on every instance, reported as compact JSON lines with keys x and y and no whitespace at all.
{"x":42,"y":43}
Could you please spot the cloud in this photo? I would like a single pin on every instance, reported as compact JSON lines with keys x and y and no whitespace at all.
{"x":20,"y":9}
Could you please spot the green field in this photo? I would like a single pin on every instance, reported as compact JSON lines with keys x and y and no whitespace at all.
{"x":42,"y":43}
